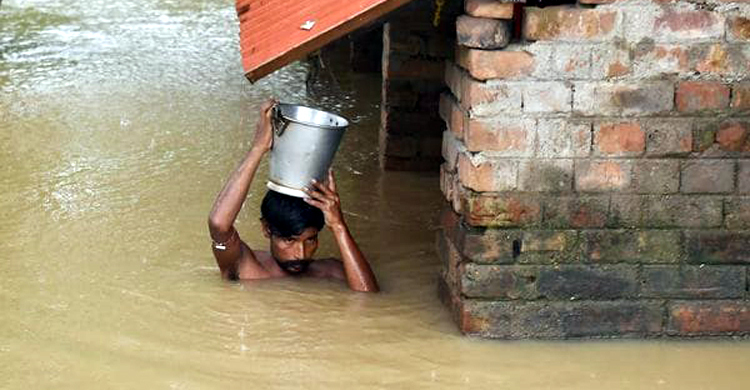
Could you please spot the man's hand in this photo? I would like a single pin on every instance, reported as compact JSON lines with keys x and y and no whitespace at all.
{"x":263,"y":140}
{"x":327,"y":200}
{"x":358,"y":273}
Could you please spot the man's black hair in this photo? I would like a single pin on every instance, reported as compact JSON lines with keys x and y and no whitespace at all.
{"x":288,"y":216}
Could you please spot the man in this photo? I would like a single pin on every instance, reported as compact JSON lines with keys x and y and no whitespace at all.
{"x":290,"y":224}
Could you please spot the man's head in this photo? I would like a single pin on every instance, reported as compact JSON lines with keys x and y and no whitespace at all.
{"x":292,"y":227}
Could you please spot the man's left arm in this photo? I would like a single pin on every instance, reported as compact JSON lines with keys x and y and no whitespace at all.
{"x":359,"y":275}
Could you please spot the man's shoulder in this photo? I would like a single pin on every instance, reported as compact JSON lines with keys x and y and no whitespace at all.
{"x":255,"y":265}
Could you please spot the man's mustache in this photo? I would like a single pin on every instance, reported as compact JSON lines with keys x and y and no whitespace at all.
{"x":295,"y":266}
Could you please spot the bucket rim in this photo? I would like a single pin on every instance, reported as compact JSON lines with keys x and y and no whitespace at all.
{"x":285,"y":190}
{"x":286,"y":117}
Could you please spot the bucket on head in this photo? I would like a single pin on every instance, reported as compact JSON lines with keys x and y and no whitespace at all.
{"x":305,"y":141}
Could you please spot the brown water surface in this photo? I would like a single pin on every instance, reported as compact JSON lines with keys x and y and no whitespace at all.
{"x":119,"y":123}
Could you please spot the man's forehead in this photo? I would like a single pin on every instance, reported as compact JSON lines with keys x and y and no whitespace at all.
{"x":307,"y":233}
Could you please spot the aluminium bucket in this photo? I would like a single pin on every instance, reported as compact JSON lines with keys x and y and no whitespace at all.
{"x":305,"y":141}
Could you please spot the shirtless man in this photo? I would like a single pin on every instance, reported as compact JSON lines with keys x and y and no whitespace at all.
{"x":290,"y":224}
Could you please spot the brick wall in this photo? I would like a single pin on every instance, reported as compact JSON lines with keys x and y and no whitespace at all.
{"x":597,"y":170}
{"x":415,"y":49}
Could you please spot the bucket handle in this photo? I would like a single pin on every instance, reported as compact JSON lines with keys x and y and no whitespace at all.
{"x":277,"y":121}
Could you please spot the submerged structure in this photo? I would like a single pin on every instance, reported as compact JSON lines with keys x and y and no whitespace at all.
{"x":594,"y":155}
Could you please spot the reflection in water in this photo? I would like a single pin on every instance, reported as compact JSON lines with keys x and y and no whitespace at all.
{"x":119,"y":123}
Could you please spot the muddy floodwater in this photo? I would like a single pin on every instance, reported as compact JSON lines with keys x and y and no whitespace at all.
{"x":119,"y":123}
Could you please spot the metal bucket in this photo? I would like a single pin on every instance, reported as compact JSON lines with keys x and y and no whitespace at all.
{"x":305,"y":141}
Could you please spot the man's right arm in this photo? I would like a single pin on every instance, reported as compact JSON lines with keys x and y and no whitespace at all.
{"x":227,"y":246}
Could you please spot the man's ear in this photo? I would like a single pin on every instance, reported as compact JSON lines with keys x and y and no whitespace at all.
{"x":266,"y":230}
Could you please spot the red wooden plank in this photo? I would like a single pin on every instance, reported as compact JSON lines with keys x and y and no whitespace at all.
{"x":270,"y":33}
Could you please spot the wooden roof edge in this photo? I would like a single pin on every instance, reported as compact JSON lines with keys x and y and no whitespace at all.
{"x":323,"y":39}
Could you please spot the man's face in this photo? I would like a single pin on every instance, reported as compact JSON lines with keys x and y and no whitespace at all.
{"x":294,"y":254}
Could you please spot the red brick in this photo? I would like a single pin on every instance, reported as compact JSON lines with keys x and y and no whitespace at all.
{"x":494,"y":210}
{"x":454,"y":79}
{"x":739,"y":29}
{"x":480,"y":98}
{"x":721,"y":60}
{"x":657,"y":60}
{"x":652,"y":176}
{"x":688,"y":24}
{"x":542,"y":319}
{"x":482,"y":33}
{"x":693,"y":282}
{"x":568,"y":23}
{"x":449,"y":296}
{"x":489,"y":9}
{"x":701,"y":95}
{"x":623,"y":99}
{"x":488,"y":246}
{"x":743,"y":177}
{"x":488,"y":175}
{"x":451,"y":259}
{"x":602,"y":282}
{"x":680,"y":211}
{"x":500,"y":281}
{"x":737,"y":213}
{"x":521,"y":245}
{"x":714,"y":60}
{"x":549,"y":96}
{"x":495,"y":64}
{"x":617,"y":69}
{"x":602,"y":175}
{"x":451,"y":148}
{"x":561,"y":60}
{"x":563,"y":138}
{"x":718,"y":247}
{"x":484,"y":318}
{"x":707,"y":176}
{"x":668,"y":137}
{"x":458,"y":193}
{"x":626,"y":211}
{"x":734,"y":136}
{"x":545,"y":175}
{"x":453,"y":115}
{"x":575,"y":212}
{"x":588,"y":319}
{"x":633,"y":246}
{"x":553,"y":282}
{"x":492,"y":100}
{"x":447,"y":182}
{"x":706,"y":318}
{"x":541,"y":242}
{"x":741,"y":96}
{"x":450,"y":224}
{"x":512,"y":137}
{"x":704,"y":136}
{"x":450,"y":188}
{"x":620,"y":139}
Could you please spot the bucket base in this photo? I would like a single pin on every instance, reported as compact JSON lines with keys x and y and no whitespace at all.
{"x":286,"y":190}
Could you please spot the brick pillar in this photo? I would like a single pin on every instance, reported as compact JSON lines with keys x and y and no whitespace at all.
{"x":414,"y":54}
{"x":597,"y":171}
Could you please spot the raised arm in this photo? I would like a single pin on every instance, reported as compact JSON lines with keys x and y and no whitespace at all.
{"x":359,"y":275}
{"x":227,"y":246}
